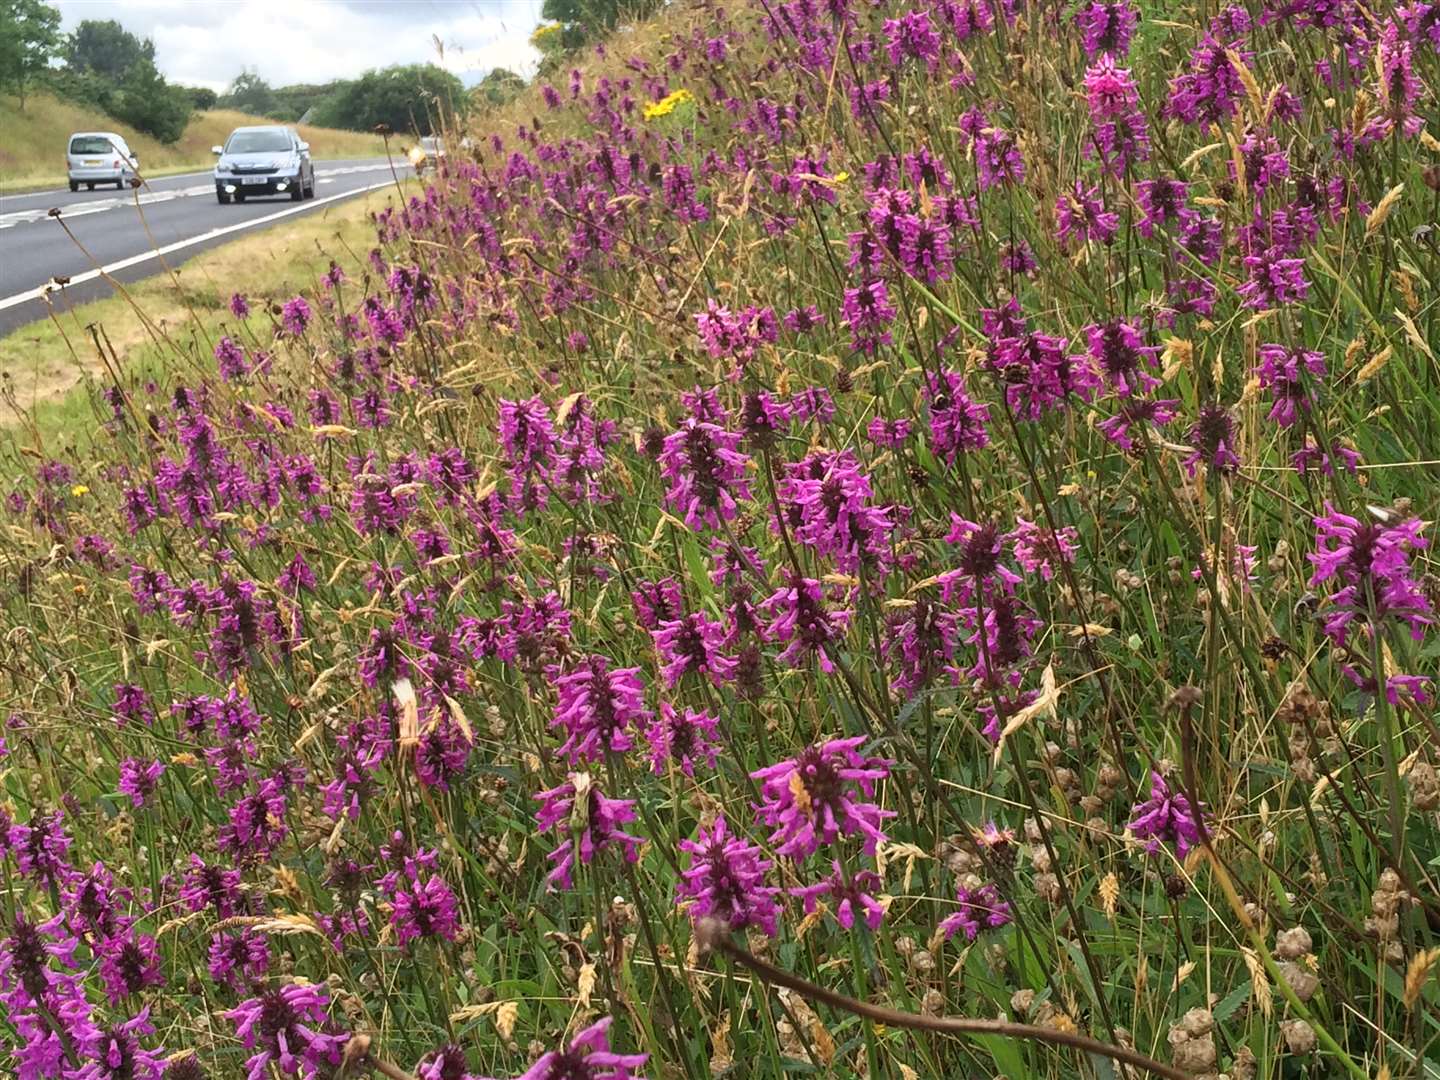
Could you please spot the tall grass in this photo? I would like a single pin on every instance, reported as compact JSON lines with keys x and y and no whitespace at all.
{"x":840,"y":540}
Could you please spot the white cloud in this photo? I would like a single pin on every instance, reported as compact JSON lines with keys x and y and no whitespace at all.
{"x":209,"y":42}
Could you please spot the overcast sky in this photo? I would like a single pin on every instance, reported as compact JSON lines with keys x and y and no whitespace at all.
{"x":208,"y":42}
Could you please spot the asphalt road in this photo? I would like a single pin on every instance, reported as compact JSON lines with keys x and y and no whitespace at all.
{"x":182,"y":216}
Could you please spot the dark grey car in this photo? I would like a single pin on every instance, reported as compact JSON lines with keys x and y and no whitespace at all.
{"x":264,"y":161}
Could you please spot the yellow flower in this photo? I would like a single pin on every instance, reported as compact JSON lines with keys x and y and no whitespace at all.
{"x":79,"y":489}
{"x":841,"y":177}
{"x":666,"y":105}
{"x":542,"y":32}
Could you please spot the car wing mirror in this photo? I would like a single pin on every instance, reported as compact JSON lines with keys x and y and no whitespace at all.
{"x":217,"y":149}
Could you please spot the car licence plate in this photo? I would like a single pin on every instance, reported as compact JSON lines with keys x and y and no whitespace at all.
{"x":90,"y":163}
{"x":254,"y":180}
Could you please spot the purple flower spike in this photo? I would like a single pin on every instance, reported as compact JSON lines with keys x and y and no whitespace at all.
{"x":821,"y":795}
{"x":285,"y":1026}
{"x":1165,"y":817}
{"x":850,"y":895}
{"x":588,"y":1057}
{"x":726,"y":880}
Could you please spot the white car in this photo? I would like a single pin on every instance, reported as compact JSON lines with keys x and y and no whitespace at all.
{"x":99,"y":157}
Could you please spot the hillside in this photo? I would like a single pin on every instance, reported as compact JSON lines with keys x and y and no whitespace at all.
{"x":32,"y":145}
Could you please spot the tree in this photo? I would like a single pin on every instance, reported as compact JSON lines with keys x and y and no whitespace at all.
{"x":107,"y":48}
{"x":202,"y":97}
{"x":500,"y":86}
{"x":147,"y":102}
{"x":406,"y":98}
{"x":29,"y":36}
{"x":585,"y":20}
{"x":250,"y":93}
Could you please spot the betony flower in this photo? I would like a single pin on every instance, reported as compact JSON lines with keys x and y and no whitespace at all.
{"x":821,"y":795}
{"x":1166,"y":817}
{"x":849,"y":894}
{"x":706,"y":472}
{"x":980,"y":908}
{"x":596,"y":708}
{"x":588,"y":1057}
{"x":686,"y":738}
{"x":286,"y":1027}
{"x":591,"y":824}
{"x":726,"y":880}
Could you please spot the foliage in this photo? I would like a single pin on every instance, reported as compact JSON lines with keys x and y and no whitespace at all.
{"x":500,"y":86}
{"x":202,"y":97}
{"x":250,"y":93}
{"x":940,"y":496}
{"x":587,"y":20}
{"x":106,"y":48}
{"x":29,"y":37}
{"x":150,"y":104}
{"x":407,"y":98}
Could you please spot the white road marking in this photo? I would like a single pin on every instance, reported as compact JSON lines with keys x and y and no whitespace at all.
{"x":179,"y":245}
{"x":147,"y":198}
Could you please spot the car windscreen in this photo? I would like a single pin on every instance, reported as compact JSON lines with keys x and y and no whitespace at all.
{"x":432,"y":146}
{"x":90,"y":144}
{"x":257,"y":142}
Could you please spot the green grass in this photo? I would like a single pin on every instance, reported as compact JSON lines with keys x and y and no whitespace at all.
{"x":32,"y":151}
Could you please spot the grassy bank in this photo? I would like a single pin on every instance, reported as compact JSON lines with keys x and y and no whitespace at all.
{"x":173,"y":319}
{"x":32,"y":153}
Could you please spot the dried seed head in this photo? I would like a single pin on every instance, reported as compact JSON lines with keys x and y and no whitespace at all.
{"x":1424,"y":786}
{"x":1292,"y":944}
{"x":1192,"y":1043}
{"x":1299,"y":1036}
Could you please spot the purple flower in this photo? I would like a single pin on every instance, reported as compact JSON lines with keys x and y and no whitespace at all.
{"x":798,"y":616}
{"x":596,"y":706}
{"x":656,"y":602}
{"x":589,"y":828}
{"x":997,"y":158}
{"x":1081,"y":214}
{"x":231,"y":360}
{"x":286,"y":1027}
{"x":1137,"y":412}
{"x":850,"y":895}
{"x":239,"y":306}
{"x":685,"y":738}
{"x":831,"y":504}
{"x":295,"y":316}
{"x":980,"y":909}
{"x":1163,"y":202}
{"x":867,"y":311}
{"x":706,"y":472}
{"x":589,"y":1057}
{"x":821,"y":795}
{"x":957,"y":422}
{"x":1282,"y":371}
{"x":1311,"y":456}
{"x":1275,"y":279}
{"x":692,"y":643}
{"x":1106,"y":27}
{"x":422,"y":904}
{"x":1039,"y":548}
{"x":116,"y":1053}
{"x":239,"y":958}
{"x":1165,"y":817}
{"x":128,"y":964}
{"x":911,"y":37}
{"x":138,"y":779}
{"x":1212,"y":440}
{"x":890,"y":434}
{"x":1371,"y":563}
{"x":920,"y":641}
{"x":1118,"y":351}
{"x":726,"y":880}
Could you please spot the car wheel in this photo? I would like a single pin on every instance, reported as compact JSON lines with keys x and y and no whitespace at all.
{"x":89,"y":187}
{"x":222,"y":198}
{"x":310,"y":191}
{"x":239,"y":196}
{"x":297,"y":189}
{"x":74,"y":185}
{"x":119,"y":185}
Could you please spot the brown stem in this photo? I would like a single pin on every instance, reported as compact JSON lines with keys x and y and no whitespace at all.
{"x":716,"y":936}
